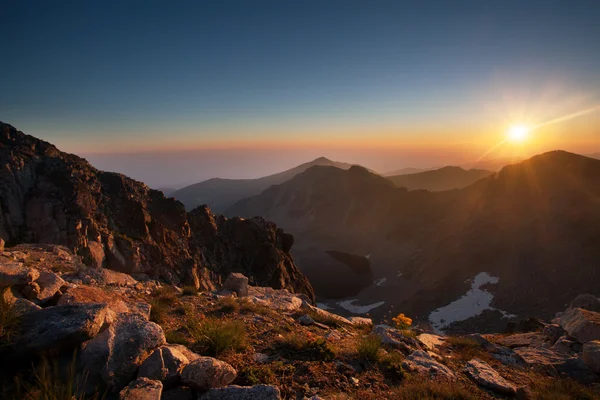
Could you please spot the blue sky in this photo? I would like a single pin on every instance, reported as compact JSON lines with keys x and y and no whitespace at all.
{"x":141,"y":75}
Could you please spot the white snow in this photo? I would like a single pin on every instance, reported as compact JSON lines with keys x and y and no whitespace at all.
{"x":380,"y":282}
{"x":349,"y":305}
{"x":471,"y":304}
{"x":323,"y":306}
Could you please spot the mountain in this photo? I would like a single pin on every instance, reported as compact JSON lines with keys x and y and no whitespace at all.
{"x":167,"y":191}
{"x":446,"y":178}
{"x":220,"y":194}
{"x":526,"y":235}
{"x":406,"y":171}
{"x":47,"y":196}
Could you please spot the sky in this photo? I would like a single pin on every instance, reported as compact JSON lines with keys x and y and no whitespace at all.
{"x":175,"y":92}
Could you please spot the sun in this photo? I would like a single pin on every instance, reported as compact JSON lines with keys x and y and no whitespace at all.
{"x":518,"y":133}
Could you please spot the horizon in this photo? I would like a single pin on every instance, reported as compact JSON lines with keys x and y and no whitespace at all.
{"x":176,"y":95}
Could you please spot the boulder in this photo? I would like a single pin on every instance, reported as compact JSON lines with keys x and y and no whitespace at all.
{"x":103,"y":276}
{"x":555,"y":364}
{"x":61,"y":327}
{"x":486,"y":377}
{"x":164,"y":364}
{"x":113,"y":357}
{"x":190,"y":355}
{"x":258,"y":392}
{"x":522,"y":340}
{"x":207,"y":373}
{"x":431,"y":342}
{"x":587,"y":302}
{"x":591,"y":355}
{"x":14,"y":273}
{"x":280,"y":300}
{"x":581,"y":324}
{"x":85,"y":294}
{"x":237,"y":283}
{"x":93,"y":254}
{"x":422,"y":363}
{"x":396,"y":339}
{"x":49,"y":284}
{"x":360,"y":321}
{"x":306,"y":320}
{"x":22,"y":306}
{"x":552,"y":332}
{"x":565,"y":346}
{"x":142,"y":389}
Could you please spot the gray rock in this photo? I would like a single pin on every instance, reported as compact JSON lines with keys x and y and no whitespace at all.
{"x":164,"y":364}
{"x":61,"y":326}
{"x":306,"y":320}
{"x":276,"y":299}
{"x":22,"y":306}
{"x":396,"y":339}
{"x":207,"y":373}
{"x":113,"y":357}
{"x":237,"y":283}
{"x":503,"y":354}
{"x":522,"y":340}
{"x":260,"y":358}
{"x":103,"y":276}
{"x":555,"y":364}
{"x":431,"y":342}
{"x":587,"y":302}
{"x":258,"y":392}
{"x":565,"y":346}
{"x":486,"y":377}
{"x":581,"y":324}
{"x":552,"y":332}
{"x":142,"y":389}
{"x":49,"y":284}
{"x":14,"y":273}
{"x":591,"y":355}
{"x":190,"y":355}
{"x":422,"y":363}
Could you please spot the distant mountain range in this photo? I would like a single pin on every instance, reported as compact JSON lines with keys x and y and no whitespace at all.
{"x":534,"y":225}
{"x":219,"y":194}
{"x":446,"y":178}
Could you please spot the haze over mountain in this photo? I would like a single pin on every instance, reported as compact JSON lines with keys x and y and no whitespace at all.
{"x":533,"y":225}
{"x":220,"y":194}
{"x":445,"y":178}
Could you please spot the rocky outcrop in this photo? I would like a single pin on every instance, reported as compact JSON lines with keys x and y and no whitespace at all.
{"x":581,"y":324}
{"x":142,"y":389}
{"x":164,"y":364}
{"x":423,"y":364}
{"x":487,"y":377}
{"x":47,"y":196}
{"x":591,"y":355}
{"x":206,"y":373}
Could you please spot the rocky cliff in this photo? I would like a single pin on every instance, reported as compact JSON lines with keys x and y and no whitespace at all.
{"x":112,"y":221}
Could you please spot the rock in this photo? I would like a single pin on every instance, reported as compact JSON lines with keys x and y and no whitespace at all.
{"x":103,"y":276}
{"x":142,"y":389}
{"x":587,"y":302}
{"x":164,"y":364}
{"x":49,"y":284}
{"x":14,"y":273}
{"x":113,"y":357}
{"x":576,"y":369}
{"x":524,"y":325}
{"x":207,"y":373}
{"x":591,"y":355}
{"x":60,"y":327}
{"x":333,"y":336}
{"x":552,"y":332}
{"x":396,"y":338}
{"x":546,"y":361}
{"x":31,"y":291}
{"x":2,"y":244}
{"x":93,"y":254}
{"x":178,"y":393}
{"x":306,"y":320}
{"x":325,"y":314}
{"x":360,"y":321}
{"x":237,"y":283}
{"x":85,"y":294}
{"x":280,"y":300}
{"x":565,"y":346}
{"x":258,"y":392}
{"x":522,"y":340}
{"x":190,"y":355}
{"x":581,"y":324}
{"x":22,"y":306}
{"x":422,"y":363}
{"x":486,"y":377}
{"x":260,"y":358}
{"x":430,"y":341}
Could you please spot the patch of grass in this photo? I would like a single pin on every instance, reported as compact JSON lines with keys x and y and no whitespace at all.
{"x":213,"y":336}
{"x":9,"y":323}
{"x":560,"y":389}
{"x":166,"y":295}
{"x":392,"y":365}
{"x":247,"y":306}
{"x":409,"y":333}
{"x":466,"y":348}
{"x":299,"y":347}
{"x":175,"y":337}
{"x":158,"y":311}
{"x":189,"y":290}
{"x":418,"y":389}
{"x":256,"y":375}
{"x":369,"y":347}
{"x":228,"y":305}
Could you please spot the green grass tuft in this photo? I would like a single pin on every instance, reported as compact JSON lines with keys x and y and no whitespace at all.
{"x":9,"y":323}
{"x":213,"y":336}
{"x":369,"y":347}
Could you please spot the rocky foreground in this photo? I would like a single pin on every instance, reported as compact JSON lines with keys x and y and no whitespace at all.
{"x":71,"y":331}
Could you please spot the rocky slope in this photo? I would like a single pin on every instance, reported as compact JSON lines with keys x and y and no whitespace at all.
{"x":77,"y":332}
{"x":532,"y":227}
{"x":47,"y":196}
{"x":220,"y":193}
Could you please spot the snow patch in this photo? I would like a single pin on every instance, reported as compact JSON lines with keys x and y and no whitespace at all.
{"x":349,"y":305}
{"x":323,"y":306}
{"x":471,"y":304}
{"x":380,"y":282}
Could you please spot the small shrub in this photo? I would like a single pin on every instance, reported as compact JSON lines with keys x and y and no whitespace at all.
{"x":253,"y":375}
{"x":418,"y":389}
{"x":392,"y":365}
{"x":402,"y":321}
{"x":254,"y":308}
{"x":166,"y":295}
{"x":299,"y":347}
{"x":467,"y":348}
{"x":175,"y":337}
{"x":9,"y":323}
{"x":214,"y":336}
{"x":158,"y":311}
{"x":228,"y":305}
{"x":189,"y":290}
{"x":369,"y":347}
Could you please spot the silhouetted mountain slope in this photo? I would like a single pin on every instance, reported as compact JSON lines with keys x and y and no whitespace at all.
{"x":406,"y":171}
{"x":535,"y":225}
{"x":219,"y":194}
{"x":446,"y":178}
{"x":47,"y":196}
